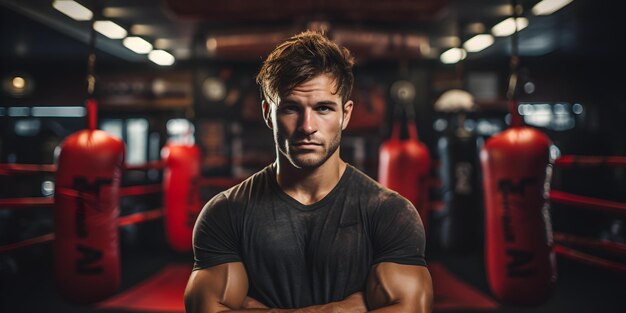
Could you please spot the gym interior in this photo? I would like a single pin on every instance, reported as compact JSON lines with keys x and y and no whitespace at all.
{"x":173,"y":83}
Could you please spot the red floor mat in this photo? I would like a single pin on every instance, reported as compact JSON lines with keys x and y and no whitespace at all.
{"x":164,"y":292}
{"x":161,"y":293}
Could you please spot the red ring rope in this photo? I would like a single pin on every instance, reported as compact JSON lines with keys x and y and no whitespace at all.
{"x":589,"y":259}
{"x":569,"y":161}
{"x":12,"y":168}
{"x":587,"y":202}
{"x":153,"y":165}
{"x":121,"y":221}
{"x":26,"y":202}
{"x":605,"y":245}
{"x":140,"y":190}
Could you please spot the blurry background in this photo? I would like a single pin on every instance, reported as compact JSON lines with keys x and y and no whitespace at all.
{"x":181,"y":70}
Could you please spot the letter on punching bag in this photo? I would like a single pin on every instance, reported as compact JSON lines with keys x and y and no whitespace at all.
{"x":86,"y":245}
{"x":404,"y":166}
{"x":181,"y":192}
{"x":520,"y":260}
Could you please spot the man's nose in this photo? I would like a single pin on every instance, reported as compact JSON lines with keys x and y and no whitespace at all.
{"x":308,"y":124}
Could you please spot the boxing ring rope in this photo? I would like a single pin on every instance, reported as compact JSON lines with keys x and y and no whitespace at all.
{"x":589,"y":259}
{"x":606,"y":245}
{"x":140,"y":190}
{"x":122,"y":221}
{"x":587,"y":202}
{"x":571,"y":161}
{"x":13,"y":168}
{"x":26,"y":202}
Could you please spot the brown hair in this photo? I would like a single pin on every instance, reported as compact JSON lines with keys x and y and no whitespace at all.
{"x":302,"y":57}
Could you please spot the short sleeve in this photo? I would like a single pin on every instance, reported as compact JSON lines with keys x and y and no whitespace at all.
{"x":215,"y":240}
{"x":398,"y":233}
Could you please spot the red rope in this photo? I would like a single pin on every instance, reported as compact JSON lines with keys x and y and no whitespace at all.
{"x":139,"y":217}
{"x":140,"y":190}
{"x":605,"y":245}
{"x":13,"y":168}
{"x":569,"y":161}
{"x":587,"y":202}
{"x":589,"y":259}
{"x":135,"y":218}
{"x":26,"y":243}
{"x":26,"y":202}
{"x":153,"y":165}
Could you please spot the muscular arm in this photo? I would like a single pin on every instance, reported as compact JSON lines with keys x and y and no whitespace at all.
{"x":393,"y":287}
{"x":223,"y":288}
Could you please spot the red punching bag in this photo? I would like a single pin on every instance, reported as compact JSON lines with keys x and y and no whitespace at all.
{"x":86,"y":246}
{"x":520,"y":260}
{"x":404,"y":166}
{"x":181,"y":192}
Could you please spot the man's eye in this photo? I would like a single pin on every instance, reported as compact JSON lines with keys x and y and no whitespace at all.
{"x":289,"y":109}
{"x":323,"y":108}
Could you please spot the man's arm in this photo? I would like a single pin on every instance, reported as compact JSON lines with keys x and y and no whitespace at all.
{"x":223,"y":288}
{"x":393,"y":287}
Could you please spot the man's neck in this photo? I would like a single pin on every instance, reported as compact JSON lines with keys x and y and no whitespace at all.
{"x":309,"y":186}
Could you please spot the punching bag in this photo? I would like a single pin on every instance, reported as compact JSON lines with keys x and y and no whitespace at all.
{"x":461,"y":217}
{"x":404,"y":166}
{"x":520,"y":260}
{"x":86,"y":246}
{"x":181,"y":192}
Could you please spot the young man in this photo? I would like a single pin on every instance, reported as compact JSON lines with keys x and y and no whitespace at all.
{"x":309,"y":233}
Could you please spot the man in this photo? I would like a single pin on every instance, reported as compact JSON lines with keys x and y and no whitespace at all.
{"x":309,"y":233}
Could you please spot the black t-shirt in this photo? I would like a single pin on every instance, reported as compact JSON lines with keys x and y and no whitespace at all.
{"x":299,"y":255}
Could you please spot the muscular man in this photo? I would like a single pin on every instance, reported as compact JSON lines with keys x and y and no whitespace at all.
{"x":308,"y":233}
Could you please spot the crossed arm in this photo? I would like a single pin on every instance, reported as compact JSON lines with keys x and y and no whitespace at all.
{"x":391,"y":287}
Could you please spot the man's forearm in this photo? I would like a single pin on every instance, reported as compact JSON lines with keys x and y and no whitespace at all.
{"x":353,"y":303}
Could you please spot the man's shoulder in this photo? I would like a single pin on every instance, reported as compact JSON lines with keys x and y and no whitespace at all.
{"x":367,"y":185}
{"x":241,"y":192}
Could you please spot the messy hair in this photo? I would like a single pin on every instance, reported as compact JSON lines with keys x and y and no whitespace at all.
{"x":301,"y":58}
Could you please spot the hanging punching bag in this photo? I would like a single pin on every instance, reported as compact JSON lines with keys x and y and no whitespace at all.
{"x":86,"y":245}
{"x":520,"y":260}
{"x":404,"y":166}
{"x":181,"y":193}
{"x":461,"y":217}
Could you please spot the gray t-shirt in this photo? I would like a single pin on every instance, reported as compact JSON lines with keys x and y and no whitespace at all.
{"x":299,"y":255}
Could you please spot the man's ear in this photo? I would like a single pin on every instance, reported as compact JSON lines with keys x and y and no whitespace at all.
{"x":347,"y":113}
{"x":267,"y":113}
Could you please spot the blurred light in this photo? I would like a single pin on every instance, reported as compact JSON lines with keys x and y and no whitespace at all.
{"x":529,"y":87}
{"x":67,"y":111}
{"x":117,"y":12}
{"x":137,"y":45}
{"x":27,"y":127}
{"x":2,"y":113}
{"x":475,"y":28}
{"x":440,"y":124}
{"x":73,"y":9}
{"x":478,"y":43}
{"x":47,"y":188}
{"x":547,"y":7}
{"x":18,"y":82}
{"x":469,"y":125}
{"x":19,"y":111}
{"x":161,"y":57}
{"x":143,"y":29}
{"x":486,"y":127}
{"x":211,"y":45}
{"x":577,"y":108}
{"x":507,"y":27}
{"x":453,"y":55}
{"x":162,"y":43}
{"x":110,"y":29}
{"x":113,"y":127}
{"x":555,"y":152}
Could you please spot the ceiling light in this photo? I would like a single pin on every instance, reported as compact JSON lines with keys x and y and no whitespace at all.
{"x":453,"y":55}
{"x":507,"y":27}
{"x":109,"y":29}
{"x":73,"y":9}
{"x":137,"y":44}
{"x":161,"y":57}
{"x":478,"y":43}
{"x":547,"y":7}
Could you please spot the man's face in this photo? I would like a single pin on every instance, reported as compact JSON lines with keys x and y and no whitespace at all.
{"x":307,"y":122}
